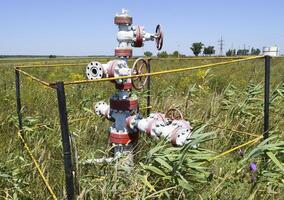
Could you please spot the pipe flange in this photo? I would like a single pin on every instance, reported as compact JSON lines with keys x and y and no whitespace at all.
{"x":138,"y":37}
{"x":94,"y":70}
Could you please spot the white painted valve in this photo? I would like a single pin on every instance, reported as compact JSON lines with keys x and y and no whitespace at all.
{"x":129,"y":36}
{"x":113,"y":68}
{"x":157,"y":126}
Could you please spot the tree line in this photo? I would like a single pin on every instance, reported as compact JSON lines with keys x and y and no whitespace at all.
{"x":198,"y":47}
{"x":243,"y":52}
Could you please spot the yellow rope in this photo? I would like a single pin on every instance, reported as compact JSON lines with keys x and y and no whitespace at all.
{"x":233,"y":130}
{"x":52,"y":65}
{"x":37,"y":166}
{"x":32,"y":65}
{"x":33,"y":77}
{"x":161,"y":72}
{"x":132,"y":76}
{"x":62,"y":64}
{"x":144,"y":108}
{"x":202,"y":58}
{"x":236,"y":148}
{"x":228,"y":129}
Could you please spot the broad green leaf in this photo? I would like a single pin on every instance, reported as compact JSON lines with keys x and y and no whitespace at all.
{"x":153,"y":169}
{"x":275,"y":160}
{"x":184,"y":184}
{"x":164,"y":163}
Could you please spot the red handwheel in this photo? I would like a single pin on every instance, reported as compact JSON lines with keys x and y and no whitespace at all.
{"x":159,"y":37}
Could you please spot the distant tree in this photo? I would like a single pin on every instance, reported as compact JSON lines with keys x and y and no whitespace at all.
{"x":163,"y":54}
{"x":196,"y":48}
{"x":242,"y":52}
{"x":52,"y":56}
{"x":148,"y":53}
{"x":175,"y":54}
{"x":231,"y":52}
{"x":209,"y":50}
{"x":255,"y":51}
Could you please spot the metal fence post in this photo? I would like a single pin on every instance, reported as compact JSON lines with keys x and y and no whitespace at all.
{"x":65,"y":140}
{"x":149,"y":88}
{"x":18,"y":99}
{"x":266,"y":97}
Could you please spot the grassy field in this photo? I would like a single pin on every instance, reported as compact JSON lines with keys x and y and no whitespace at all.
{"x":229,"y":96}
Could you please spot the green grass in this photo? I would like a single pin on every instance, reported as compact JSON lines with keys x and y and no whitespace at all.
{"x":229,"y":96}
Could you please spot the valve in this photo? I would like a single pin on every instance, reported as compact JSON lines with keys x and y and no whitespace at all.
{"x":119,"y":68}
{"x":140,"y":66}
{"x":123,"y":107}
{"x":129,"y":36}
{"x":158,"y":126}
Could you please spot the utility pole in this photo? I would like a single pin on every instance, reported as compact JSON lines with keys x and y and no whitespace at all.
{"x":221,"y":44}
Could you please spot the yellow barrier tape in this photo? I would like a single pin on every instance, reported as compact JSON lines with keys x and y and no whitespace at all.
{"x":161,"y":72}
{"x":236,"y":148}
{"x":37,"y":167}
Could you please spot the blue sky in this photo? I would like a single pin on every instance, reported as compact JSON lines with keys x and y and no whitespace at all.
{"x":85,"y":27}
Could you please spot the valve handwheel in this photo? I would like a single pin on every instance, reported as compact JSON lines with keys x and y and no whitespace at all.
{"x":174,"y":114}
{"x":140,"y":66}
{"x":159,"y":37}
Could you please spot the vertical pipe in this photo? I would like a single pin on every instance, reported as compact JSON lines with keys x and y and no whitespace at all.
{"x":266,"y":97}
{"x":18,"y":99}
{"x":65,"y":140}
{"x":149,"y":88}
